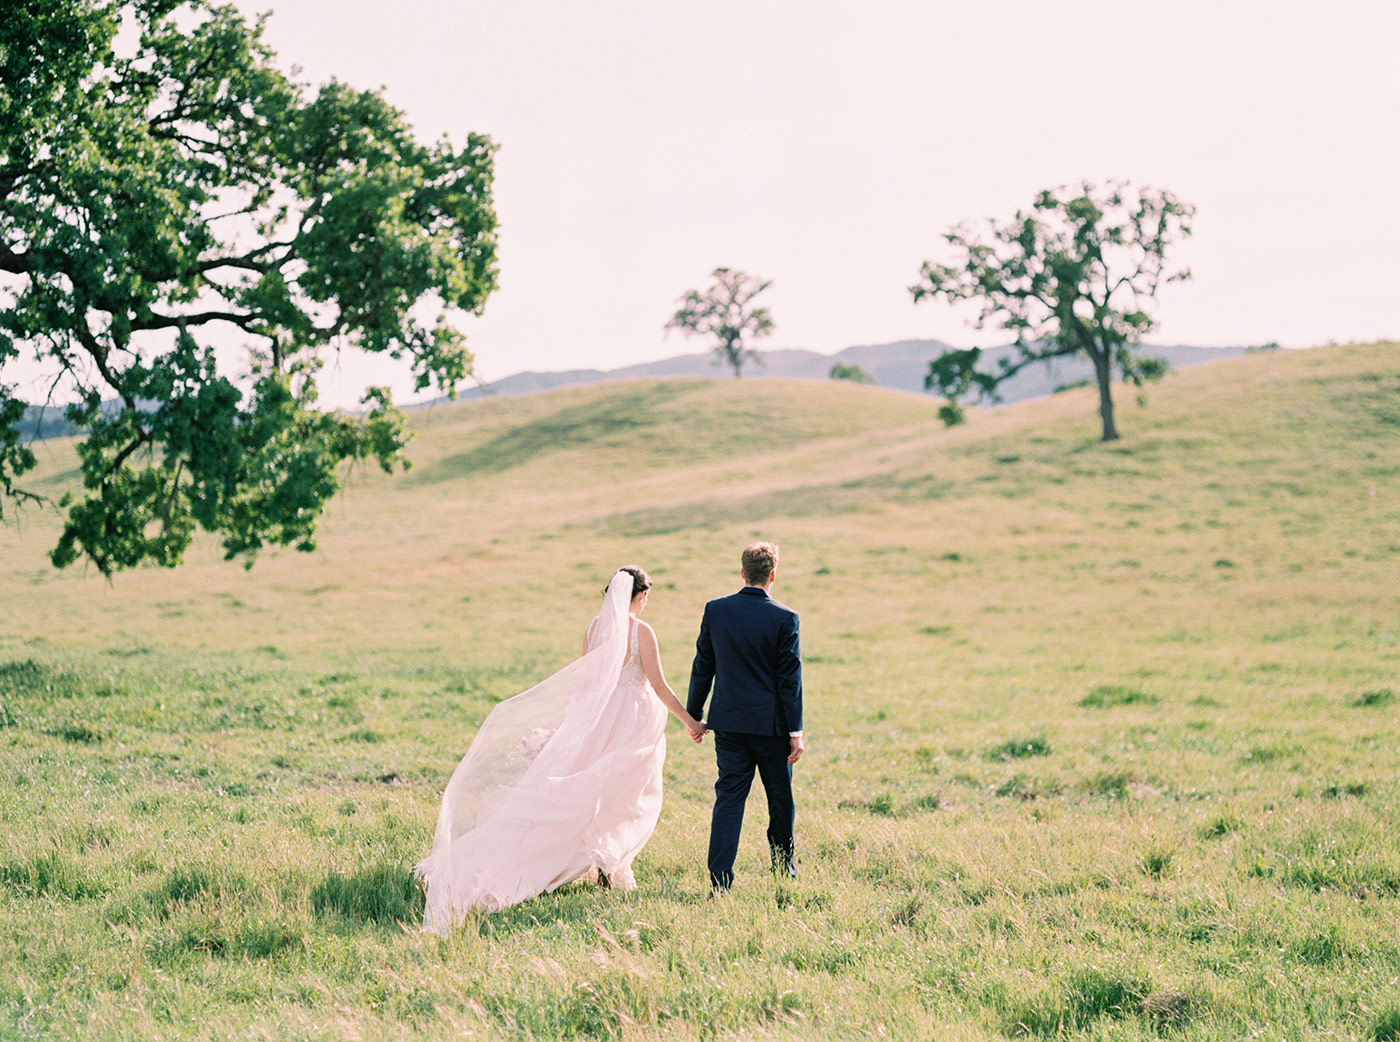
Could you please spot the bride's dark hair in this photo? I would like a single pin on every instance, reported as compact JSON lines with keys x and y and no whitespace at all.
{"x":640,"y":579}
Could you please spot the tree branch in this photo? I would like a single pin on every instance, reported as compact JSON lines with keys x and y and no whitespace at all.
{"x":246,"y":322}
{"x":121,"y":457}
{"x":12,"y":262}
{"x":99,"y":357}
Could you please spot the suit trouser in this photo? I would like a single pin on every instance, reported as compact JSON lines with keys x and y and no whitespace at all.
{"x":738,"y":755}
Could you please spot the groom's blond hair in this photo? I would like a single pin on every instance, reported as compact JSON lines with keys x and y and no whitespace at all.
{"x":759,"y":561}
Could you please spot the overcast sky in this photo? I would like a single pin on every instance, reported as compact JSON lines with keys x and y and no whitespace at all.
{"x":826,"y":146}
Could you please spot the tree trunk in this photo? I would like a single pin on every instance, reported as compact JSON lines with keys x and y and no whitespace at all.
{"x":1104,"y":371}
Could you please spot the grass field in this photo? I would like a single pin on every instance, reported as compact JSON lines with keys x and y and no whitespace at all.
{"x":1103,"y":740}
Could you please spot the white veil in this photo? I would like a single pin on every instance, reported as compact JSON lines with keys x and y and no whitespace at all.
{"x":526,"y":739}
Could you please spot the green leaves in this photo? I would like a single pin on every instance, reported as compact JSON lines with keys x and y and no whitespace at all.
{"x":725,"y":311}
{"x":183,"y":195}
{"x":1068,"y":277}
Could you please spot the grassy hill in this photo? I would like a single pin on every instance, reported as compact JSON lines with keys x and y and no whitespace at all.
{"x":1102,"y":737}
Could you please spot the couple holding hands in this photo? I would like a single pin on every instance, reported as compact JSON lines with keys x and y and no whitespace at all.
{"x":563,"y":781}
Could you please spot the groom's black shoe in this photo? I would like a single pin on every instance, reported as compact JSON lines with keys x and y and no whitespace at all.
{"x":784,"y":863}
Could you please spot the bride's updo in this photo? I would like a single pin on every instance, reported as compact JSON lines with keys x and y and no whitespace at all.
{"x":640,"y":579}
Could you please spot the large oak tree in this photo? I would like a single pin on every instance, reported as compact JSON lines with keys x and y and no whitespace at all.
{"x":185,"y":232}
{"x":1073,"y":275}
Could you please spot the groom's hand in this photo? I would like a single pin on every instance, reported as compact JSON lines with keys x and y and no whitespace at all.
{"x":697,"y":734}
{"x":797,"y":746}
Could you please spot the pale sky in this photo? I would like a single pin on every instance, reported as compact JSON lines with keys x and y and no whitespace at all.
{"x":827,"y":146}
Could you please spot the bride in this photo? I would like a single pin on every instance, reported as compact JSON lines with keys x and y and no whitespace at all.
{"x":563,"y":779}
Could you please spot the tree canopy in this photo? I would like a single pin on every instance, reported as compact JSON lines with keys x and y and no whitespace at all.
{"x":852,"y":372}
{"x":725,"y":311}
{"x":1072,"y":275}
{"x":185,"y":232}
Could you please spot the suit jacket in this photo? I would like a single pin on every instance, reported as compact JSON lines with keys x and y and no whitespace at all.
{"x":748,"y":648}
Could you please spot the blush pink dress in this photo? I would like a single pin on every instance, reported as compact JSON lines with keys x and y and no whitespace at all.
{"x":541,"y":804}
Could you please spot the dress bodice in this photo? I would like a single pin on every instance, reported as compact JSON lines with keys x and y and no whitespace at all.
{"x":633,"y":675}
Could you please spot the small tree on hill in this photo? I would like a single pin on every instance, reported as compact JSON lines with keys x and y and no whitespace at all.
{"x":1071,"y":276}
{"x":853,"y":373}
{"x":726,"y":312}
{"x":155,"y":191}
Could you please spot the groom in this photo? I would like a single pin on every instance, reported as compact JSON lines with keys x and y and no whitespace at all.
{"x":748,"y":648}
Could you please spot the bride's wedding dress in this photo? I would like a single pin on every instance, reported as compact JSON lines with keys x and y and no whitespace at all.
{"x":560,"y":780}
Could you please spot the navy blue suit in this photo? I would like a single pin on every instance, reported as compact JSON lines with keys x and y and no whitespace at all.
{"x":749,"y":650}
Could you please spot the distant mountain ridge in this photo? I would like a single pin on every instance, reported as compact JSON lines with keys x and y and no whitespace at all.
{"x":899,"y":366}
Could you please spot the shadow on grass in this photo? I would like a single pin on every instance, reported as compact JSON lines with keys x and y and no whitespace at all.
{"x":222,"y":938}
{"x":1386,"y":1027}
{"x":181,"y":886}
{"x":30,"y":678}
{"x":1085,"y":996}
{"x":381,"y":894}
{"x":845,"y":497}
{"x":1375,"y":699}
{"x":250,"y":941}
{"x":609,"y":421}
{"x":1019,"y":749}
{"x":39,"y":683}
{"x":1106,"y":696}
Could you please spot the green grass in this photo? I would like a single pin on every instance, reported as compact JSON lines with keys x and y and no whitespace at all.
{"x":1101,"y":738}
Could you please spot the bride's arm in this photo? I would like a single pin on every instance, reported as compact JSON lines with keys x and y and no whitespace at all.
{"x":651,"y":666}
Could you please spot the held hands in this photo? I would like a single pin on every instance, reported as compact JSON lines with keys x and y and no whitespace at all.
{"x":797,"y":746}
{"x":694,"y":728}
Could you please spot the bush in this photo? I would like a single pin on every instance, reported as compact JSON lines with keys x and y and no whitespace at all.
{"x":853,"y":373}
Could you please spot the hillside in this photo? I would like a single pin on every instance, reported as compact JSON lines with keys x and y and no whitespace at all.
{"x":898,"y":366}
{"x":621,"y":467}
{"x":1102,"y":736}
